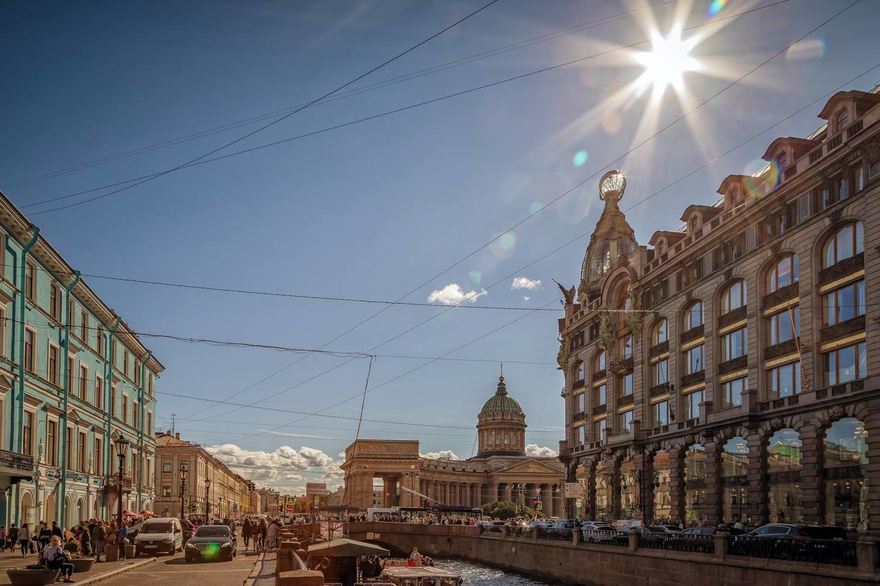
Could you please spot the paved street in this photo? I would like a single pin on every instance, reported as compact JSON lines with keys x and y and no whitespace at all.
{"x":172,"y":571}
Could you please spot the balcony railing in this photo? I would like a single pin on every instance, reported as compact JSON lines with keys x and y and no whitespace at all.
{"x":111,"y":484}
{"x":15,"y":462}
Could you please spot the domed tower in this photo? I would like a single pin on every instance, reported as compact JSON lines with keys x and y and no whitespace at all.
{"x":613,"y":236}
{"x":502,"y":425}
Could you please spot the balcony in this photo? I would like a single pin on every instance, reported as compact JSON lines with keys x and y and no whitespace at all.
{"x":15,"y":464}
{"x":111,"y":483}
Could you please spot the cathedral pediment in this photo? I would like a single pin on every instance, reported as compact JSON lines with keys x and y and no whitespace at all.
{"x":530,"y":467}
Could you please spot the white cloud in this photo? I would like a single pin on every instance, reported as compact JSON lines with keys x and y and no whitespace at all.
{"x":535,"y":450}
{"x":526,"y":297}
{"x":453,"y":294}
{"x":525,"y":283}
{"x":282,"y":464}
{"x":441,"y":455}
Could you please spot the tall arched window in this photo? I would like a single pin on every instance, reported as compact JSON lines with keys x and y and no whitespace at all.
{"x":693,"y":316}
{"x":845,"y":463}
{"x":662,"y":477}
{"x":733,"y":297}
{"x":783,"y":476}
{"x":783,"y":273}
{"x":599,"y":362}
{"x":660,"y":332}
{"x":846,"y":242}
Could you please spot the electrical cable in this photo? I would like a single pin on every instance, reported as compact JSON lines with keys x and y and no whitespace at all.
{"x":285,"y":116}
{"x":346,"y":94}
{"x":144,"y":178}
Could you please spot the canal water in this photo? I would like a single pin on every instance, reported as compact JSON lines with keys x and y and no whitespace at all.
{"x":479,"y":575}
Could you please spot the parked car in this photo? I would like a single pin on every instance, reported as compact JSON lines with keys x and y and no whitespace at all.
{"x":210,"y":542}
{"x":188,"y":529}
{"x":600,"y":533}
{"x":158,"y":535}
{"x":562,"y":526}
{"x":665,"y":529}
{"x":647,"y":530}
{"x":799,"y":531}
{"x":539,"y":524}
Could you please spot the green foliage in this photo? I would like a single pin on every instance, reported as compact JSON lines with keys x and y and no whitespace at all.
{"x":500,"y":509}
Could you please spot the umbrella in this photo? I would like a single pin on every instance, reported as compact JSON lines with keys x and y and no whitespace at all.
{"x":341,"y":548}
{"x":146,"y":513}
{"x":127,"y":513}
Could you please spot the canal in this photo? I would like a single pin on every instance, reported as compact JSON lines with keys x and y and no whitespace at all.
{"x":480,"y":575}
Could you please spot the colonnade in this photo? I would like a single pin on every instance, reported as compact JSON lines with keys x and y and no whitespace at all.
{"x":472,"y":494}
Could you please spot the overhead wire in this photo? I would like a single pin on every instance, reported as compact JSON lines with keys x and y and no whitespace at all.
{"x":349,"y":93}
{"x":284,"y":117}
{"x":151,"y":176}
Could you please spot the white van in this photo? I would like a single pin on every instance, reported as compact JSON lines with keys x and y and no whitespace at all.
{"x":159,"y":535}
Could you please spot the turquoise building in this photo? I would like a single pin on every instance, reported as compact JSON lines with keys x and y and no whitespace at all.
{"x":73,"y":377}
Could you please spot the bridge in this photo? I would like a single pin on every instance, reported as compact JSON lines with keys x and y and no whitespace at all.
{"x":635,"y":560}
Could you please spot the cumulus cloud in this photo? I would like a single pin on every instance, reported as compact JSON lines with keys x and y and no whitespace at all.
{"x":453,"y":294}
{"x":441,"y":455}
{"x":537,"y":451}
{"x":525,"y":283}
{"x":269,"y":466}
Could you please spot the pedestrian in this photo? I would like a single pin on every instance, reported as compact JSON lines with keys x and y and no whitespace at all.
{"x":246,"y":532}
{"x":121,"y":535}
{"x":53,"y":556}
{"x":45,"y":535}
{"x":56,"y":530}
{"x":24,"y":538}
{"x":85,"y":539}
{"x":273,"y":535}
{"x":264,"y":529}
{"x":99,"y":536}
{"x":12,"y":538}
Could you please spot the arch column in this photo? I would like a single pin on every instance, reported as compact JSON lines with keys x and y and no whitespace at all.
{"x":757,"y":484}
{"x":508,"y":492}
{"x":712,"y":505}
{"x":676,"y":484}
{"x":811,"y":474}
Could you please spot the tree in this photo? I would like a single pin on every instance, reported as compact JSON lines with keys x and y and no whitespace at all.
{"x":500,"y":509}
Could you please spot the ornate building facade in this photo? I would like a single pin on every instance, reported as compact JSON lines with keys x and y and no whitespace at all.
{"x":182,"y":469}
{"x":501,"y":470}
{"x":730,"y":368}
{"x":73,"y":378}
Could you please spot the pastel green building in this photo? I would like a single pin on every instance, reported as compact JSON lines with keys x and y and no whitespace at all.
{"x":73,"y":377}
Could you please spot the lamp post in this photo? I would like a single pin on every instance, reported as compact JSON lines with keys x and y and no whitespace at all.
{"x":183,"y":473}
{"x":121,"y":447}
{"x":207,"y":498}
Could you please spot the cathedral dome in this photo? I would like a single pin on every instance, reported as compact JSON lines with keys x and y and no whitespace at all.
{"x":501,"y":401}
{"x":613,"y":236}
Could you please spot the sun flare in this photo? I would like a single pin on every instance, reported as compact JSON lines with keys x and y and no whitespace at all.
{"x":667,"y":62}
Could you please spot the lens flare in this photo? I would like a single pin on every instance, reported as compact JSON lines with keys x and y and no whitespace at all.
{"x":667,"y":61}
{"x":504,"y":246}
{"x":476,"y":277}
{"x":580,"y":158}
{"x":715,"y":7}
{"x":811,"y":49}
{"x":536,"y":207}
{"x":766,"y":178}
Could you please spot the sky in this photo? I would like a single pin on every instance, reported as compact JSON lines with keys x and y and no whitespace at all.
{"x":377,"y":209}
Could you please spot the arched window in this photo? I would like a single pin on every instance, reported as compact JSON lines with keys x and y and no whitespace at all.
{"x":846,"y":242}
{"x":845,"y":464}
{"x":693,"y":316}
{"x":734,"y":474}
{"x":695,"y":483}
{"x":783,"y":473}
{"x":783,"y":273}
{"x":579,"y":372}
{"x":733,"y":297}
{"x":662,"y":477}
{"x":603,"y":491}
{"x":599,"y":362}
{"x":659,"y":333}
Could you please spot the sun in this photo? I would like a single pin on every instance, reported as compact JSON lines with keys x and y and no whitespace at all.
{"x":667,"y":62}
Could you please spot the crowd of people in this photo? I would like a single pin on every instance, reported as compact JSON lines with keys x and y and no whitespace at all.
{"x":419,"y":518}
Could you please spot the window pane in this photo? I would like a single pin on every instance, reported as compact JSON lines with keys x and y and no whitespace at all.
{"x":860,"y":238}
{"x":846,"y":364}
{"x":846,"y":302}
{"x":845,"y":243}
{"x":860,"y":298}
{"x":863,"y":360}
{"x":784,"y":272}
{"x":831,"y":368}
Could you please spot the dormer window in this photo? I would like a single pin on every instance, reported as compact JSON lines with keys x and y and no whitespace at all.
{"x":661,"y":246}
{"x":782,"y":162}
{"x":692,"y":224}
{"x":842,"y":120}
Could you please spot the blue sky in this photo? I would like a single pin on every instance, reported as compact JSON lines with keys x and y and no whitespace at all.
{"x":374,"y":209}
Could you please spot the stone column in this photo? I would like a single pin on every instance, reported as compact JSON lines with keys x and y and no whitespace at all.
{"x":757,"y":484}
{"x":547,"y":497}
{"x":712,"y":506}
{"x":872,"y":427}
{"x":811,"y":474}
{"x":508,"y":492}
{"x":467,"y":495}
{"x":676,"y":484}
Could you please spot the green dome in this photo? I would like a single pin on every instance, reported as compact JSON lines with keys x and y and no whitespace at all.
{"x":501,"y":401}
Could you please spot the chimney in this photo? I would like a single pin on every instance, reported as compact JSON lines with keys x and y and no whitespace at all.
{"x":177,"y":435}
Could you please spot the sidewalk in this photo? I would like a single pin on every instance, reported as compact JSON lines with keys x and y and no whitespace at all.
{"x":263,"y":573}
{"x":98,"y":572}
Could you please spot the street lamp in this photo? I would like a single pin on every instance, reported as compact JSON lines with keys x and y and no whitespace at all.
{"x":121,"y":447}
{"x":183,"y":474}
{"x":207,"y":498}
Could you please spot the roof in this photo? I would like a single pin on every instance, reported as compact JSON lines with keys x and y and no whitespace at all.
{"x":501,"y":401}
{"x":709,"y":211}
{"x":801,"y":145}
{"x":672,"y":237}
{"x":862,"y":98}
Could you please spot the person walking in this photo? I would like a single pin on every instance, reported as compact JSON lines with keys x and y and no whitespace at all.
{"x":99,"y":536}
{"x":24,"y":538}
{"x":53,"y":556}
{"x":264,"y":530}
{"x":246,"y":532}
{"x":45,"y":536}
{"x":121,"y":536}
{"x":12,"y":538}
{"x":272,"y":533}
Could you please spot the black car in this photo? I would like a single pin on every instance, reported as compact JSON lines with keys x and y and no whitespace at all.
{"x":210,"y":542}
{"x":800,"y":531}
